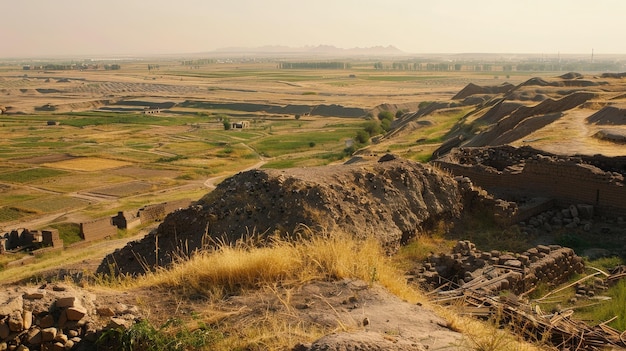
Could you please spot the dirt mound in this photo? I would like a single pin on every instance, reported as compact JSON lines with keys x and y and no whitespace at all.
{"x":498,"y":111}
{"x":526,"y":120}
{"x":614,"y":75}
{"x":609,"y":115}
{"x":571,"y":75}
{"x":473,"y":89}
{"x":391,"y":201}
{"x":338,"y":111}
{"x":536,"y":81}
{"x":319,"y":110}
{"x":615,"y":136}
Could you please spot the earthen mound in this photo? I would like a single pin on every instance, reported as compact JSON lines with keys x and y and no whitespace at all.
{"x":526,"y":120}
{"x":473,"y":89}
{"x":609,"y":115}
{"x":614,"y":75}
{"x":615,"y":136}
{"x":391,"y":201}
{"x":537,"y":82}
{"x":571,"y":75}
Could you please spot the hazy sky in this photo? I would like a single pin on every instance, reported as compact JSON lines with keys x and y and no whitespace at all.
{"x":113,"y":27}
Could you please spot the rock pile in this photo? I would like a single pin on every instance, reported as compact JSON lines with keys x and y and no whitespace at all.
{"x":575,"y":216}
{"x":494,"y":271}
{"x":55,"y":317}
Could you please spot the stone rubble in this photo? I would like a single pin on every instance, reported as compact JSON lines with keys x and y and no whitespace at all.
{"x":55,"y":317}
{"x":494,"y":271}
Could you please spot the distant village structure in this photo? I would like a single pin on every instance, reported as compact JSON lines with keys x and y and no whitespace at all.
{"x":240,"y":125}
{"x":151,"y":110}
{"x":30,"y":240}
{"x":25,"y":239}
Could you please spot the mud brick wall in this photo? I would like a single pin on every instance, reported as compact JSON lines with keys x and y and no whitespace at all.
{"x":51,"y":238}
{"x":158,"y":212}
{"x":567,"y":181}
{"x":98,"y":229}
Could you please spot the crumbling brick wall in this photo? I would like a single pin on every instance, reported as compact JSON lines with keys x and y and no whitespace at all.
{"x":98,"y":229}
{"x":158,"y":212}
{"x":567,"y":180}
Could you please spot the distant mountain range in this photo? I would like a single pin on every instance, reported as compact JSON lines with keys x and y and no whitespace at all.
{"x":322,"y":50}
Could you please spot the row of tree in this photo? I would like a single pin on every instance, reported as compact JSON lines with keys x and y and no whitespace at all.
{"x":501,"y":67}
{"x":314,"y":65}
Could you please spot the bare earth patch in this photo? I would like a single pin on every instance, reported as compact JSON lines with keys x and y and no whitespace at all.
{"x":46,"y":159}
{"x":88,"y":164}
{"x":126,"y":189}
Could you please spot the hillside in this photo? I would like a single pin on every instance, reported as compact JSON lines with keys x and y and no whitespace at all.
{"x":568,"y":114}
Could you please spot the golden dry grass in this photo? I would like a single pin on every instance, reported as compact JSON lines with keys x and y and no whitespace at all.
{"x":286,"y":264}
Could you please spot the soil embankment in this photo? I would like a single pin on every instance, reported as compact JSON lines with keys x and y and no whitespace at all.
{"x":390,"y":200}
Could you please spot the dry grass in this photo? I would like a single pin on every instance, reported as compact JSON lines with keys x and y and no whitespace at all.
{"x":284,"y":265}
{"x":488,"y":335}
{"x":234,"y":269}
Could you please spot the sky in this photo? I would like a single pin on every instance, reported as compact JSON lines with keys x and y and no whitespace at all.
{"x":34,"y":28}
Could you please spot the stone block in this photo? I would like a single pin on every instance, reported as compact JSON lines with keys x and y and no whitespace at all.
{"x":46,"y":321}
{"x":34,"y":337}
{"x":66,"y":301}
{"x":543,"y":249}
{"x":75,"y":313}
{"x":105,"y":311}
{"x":34,"y":294}
{"x":48,"y":334}
{"x":16,"y":322}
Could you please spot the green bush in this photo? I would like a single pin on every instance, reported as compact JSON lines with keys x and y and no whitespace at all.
{"x":173,"y":335}
{"x":383,"y":115}
{"x":362,"y":136}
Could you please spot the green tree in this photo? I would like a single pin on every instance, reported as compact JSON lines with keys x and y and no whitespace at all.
{"x":362,"y":136}
{"x":226,"y":122}
{"x":385,"y":124}
{"x":385,"y":115}
{"x":373,"y":128}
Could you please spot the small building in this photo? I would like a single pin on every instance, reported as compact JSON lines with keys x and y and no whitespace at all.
{"x":240,"y":125}
{"x":151,"y":110}
{"x":53,"y":123}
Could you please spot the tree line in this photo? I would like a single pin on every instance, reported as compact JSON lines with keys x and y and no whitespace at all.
{"x":314,"y":65}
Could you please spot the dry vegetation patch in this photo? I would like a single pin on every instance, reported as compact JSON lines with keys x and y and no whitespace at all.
{"x":88,"y":164}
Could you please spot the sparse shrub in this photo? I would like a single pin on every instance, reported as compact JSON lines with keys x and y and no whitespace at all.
{"x":382,"y":115}
{"x":312,"y":144}
{"x":362,"y":136}
{"x":372,"y":128}
{"x":172,"y":335}
{"x":424,"y":104}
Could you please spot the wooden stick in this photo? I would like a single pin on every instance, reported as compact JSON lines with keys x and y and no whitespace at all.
{"x":569,"y":285}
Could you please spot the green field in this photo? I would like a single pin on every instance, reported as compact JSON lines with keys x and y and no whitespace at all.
{"x":188,"y":148}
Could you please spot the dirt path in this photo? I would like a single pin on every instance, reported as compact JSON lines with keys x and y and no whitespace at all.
{"x":571,"y":134}
{"x":210,"y":183}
